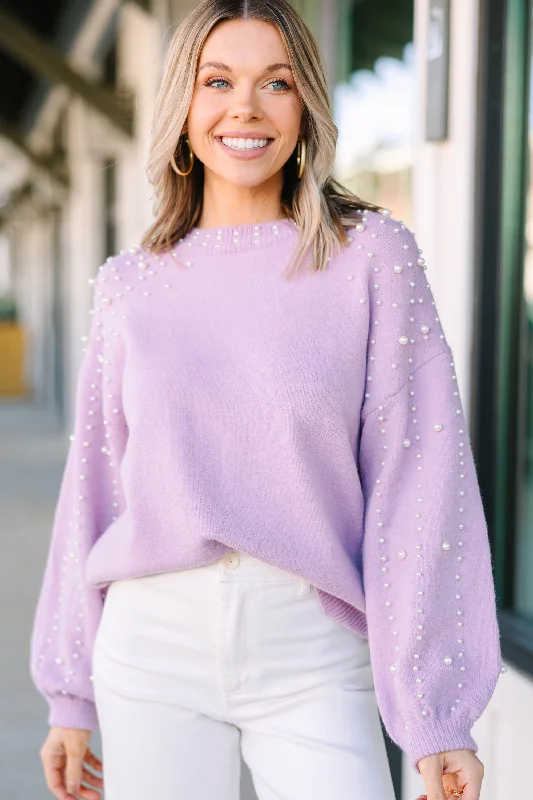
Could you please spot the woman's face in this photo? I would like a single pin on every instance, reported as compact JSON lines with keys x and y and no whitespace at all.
{"x":244,"y":97}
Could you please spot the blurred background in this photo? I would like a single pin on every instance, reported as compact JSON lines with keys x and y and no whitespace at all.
{"x":433,"y":103}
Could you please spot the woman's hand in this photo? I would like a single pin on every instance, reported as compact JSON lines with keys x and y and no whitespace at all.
{"x":66,"y":756}
{"x":455,"y":770}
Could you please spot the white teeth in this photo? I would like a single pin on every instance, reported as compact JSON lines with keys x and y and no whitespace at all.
{"x":244,"y":144}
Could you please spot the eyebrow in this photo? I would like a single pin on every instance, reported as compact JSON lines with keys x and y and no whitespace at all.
{"x":226,"y":68}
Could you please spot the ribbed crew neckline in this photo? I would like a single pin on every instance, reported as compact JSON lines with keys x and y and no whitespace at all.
{"x":238,"y":238}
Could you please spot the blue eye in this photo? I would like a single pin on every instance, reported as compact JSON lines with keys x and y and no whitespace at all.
{"x":280,"y":80}
{"x":214,"y":80}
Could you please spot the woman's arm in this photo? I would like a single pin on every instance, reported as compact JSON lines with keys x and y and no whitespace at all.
{"x":429,"y":590}
{"x":90,"y":498}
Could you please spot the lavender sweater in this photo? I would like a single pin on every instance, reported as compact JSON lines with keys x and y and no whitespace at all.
{"x":314,"y":423}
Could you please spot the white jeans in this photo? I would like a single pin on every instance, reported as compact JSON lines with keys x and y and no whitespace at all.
{"x":195,"y":667}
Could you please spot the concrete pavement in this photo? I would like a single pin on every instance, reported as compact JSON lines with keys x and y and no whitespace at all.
{"x":32,"y":451}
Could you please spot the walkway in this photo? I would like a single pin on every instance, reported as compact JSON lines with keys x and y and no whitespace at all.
{"x":31,"y":455}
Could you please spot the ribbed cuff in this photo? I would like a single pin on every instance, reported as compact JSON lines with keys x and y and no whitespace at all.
{"x":72,"y":712}
{"x":438,"y":737}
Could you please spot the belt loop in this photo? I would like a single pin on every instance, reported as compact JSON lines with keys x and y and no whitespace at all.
{"x":303,"y":587}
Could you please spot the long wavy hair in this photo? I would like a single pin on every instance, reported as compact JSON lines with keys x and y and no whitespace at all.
{"x":319,"y":205}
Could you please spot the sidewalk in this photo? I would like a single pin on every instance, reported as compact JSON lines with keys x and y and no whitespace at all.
{"x":32,"y":452}
{"x":32,"y":456}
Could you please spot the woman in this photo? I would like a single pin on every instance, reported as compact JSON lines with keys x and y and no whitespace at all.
{"x":270,"y":479}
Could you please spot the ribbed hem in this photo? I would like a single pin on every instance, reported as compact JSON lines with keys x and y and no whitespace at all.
{"x":343,"y":612}
{"x":437,"y":737}
{"x":236,"y":238}
{"x":73,"y":712}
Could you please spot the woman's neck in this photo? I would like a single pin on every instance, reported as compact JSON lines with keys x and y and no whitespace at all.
{"x":225,"y":204}
{"x":238,"y":219}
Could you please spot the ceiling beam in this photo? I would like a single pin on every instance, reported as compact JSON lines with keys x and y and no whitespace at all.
{"x":37,"y":55}
{"x":50,"y":165}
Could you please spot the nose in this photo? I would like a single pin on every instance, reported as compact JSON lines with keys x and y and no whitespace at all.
{"x":245,"y":104}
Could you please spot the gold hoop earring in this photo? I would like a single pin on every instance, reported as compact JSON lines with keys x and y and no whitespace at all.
{"x":301,"y":150}
{"x":191,"y":160}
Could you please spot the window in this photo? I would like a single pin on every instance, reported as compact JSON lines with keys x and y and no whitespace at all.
{"x":503,"y":366}
{"x":523,"y":588}
{"x":374,"y":112}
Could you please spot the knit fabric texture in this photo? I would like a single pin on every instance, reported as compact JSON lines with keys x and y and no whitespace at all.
{"x":312,"y":422}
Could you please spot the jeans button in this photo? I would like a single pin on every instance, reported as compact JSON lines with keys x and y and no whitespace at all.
{"x":231,"y":560}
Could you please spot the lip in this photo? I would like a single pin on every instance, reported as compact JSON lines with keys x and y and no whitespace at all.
{"x":245,"y":155}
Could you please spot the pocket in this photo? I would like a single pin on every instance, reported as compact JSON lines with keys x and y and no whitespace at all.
{"x":342,"y":634}
{"x":105,"y":625}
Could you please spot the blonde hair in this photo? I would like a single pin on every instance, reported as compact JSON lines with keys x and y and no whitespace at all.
{"x":321,"y":208}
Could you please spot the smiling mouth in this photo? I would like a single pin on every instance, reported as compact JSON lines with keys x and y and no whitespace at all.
{"x":244,"y":144}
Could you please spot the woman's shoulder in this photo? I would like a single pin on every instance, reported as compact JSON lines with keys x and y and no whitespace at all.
{"x":386,"y":239}
{"x":130,"y":259}
{"x":382,"y":238}
{"x":126,"y":266}
{"x":378,"y":223}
